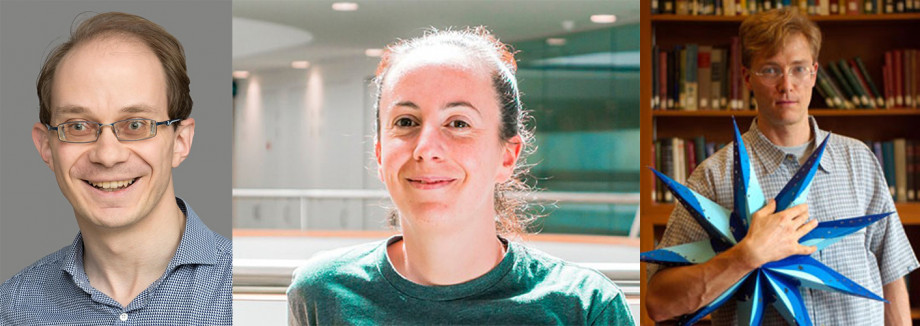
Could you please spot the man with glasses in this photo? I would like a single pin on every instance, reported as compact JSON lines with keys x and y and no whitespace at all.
{"x":779,"y":56}
{"x":114,"y":120}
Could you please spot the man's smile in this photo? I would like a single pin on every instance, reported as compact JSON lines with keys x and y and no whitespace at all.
{"x":112,"y":185}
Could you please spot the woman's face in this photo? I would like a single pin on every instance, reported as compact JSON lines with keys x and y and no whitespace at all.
{"x":439,"y":151}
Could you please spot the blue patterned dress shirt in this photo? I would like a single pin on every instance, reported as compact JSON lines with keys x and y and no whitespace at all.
{"x":196,"y":288}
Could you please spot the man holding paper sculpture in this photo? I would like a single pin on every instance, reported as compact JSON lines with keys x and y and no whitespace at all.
{"x":779,"y":57}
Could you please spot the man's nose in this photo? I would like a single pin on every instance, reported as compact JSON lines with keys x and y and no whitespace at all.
{"x":108,"y":150}
{"x":785,"y":83}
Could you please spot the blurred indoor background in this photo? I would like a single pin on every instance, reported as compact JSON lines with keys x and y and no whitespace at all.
{"x":304,"y":174}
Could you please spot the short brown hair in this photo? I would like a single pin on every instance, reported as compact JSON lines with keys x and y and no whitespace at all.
{"x":766,"y":32}
{"x":513,"y":216}
{"x":167,"y":49}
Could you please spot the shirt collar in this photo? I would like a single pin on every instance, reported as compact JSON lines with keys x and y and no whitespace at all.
{"x":771,"y":156}
{"x":73,"y":264}
{"x":197,"y":246}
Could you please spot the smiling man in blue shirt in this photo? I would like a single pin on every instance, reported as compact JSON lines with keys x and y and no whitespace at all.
{"x":114,"y":105}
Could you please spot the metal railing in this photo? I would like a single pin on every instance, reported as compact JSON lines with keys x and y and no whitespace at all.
{"x":304,"y":195}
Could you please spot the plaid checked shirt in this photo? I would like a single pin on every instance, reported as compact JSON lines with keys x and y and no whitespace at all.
{"x":196,"y":288}
{"x":849,"y":183}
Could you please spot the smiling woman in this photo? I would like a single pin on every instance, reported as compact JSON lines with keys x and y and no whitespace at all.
{"x":482,"y":101}
{"x":450,"y":137}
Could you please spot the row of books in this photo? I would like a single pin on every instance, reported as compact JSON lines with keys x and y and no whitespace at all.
{"x":677,"y":158}
{"x":847,"y":84}
{"x":899,"y":159}
{"x":902,"y":78}
{"x":699,"y":77}
{"x":812,"y":7}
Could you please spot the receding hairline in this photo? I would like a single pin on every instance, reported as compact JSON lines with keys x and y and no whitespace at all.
{"x":125,"y":38}
{"x":109,"y":37}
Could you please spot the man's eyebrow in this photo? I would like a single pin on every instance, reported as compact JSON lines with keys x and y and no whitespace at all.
{"x":138,"y":108}
{"x":795,"y":62}
{"x":70,"y":109}
{"x":76,"y":109}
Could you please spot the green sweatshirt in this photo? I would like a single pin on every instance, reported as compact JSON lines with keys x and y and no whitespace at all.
{"x":359,"y":286}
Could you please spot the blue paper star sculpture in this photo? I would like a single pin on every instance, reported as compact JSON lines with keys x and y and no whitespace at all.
{"x":777,"y":283}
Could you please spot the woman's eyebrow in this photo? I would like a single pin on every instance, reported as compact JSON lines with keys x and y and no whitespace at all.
{"x":412,"y":105}
{"x":409,"y":104}
{"x":464,"y":104}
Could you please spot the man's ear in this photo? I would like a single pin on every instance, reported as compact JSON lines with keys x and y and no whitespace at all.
{"x":43,"y":143}
{"x":183,"y":144}
{"x":746,"y":75}
{"x":814,"y":77}
{"x":511,"y":151}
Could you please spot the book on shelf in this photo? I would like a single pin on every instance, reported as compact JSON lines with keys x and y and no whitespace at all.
{"x":902,"y":78}
{"x":900,"y":169}
{"x":689,"y":91}
{"x":736,"y":86}
{"x":693,"y":77}
{"x":909,"y":167}
{"x":849,"y":91}
{"x":718,"y":84}
{"x":900,"y":162}
{"x":849,"y":85}
{"x":677,"y":158}
{"x":811,"y":7}
{"x":704,"y":75}
{"x":860,"y":68}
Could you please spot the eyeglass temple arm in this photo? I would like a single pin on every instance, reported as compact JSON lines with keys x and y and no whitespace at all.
{"x":168,"y":122}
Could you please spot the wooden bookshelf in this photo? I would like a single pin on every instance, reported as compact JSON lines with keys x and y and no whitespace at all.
{"x":820,"y":19}
{"x":844,"y":37}
{"x":815,"y":112}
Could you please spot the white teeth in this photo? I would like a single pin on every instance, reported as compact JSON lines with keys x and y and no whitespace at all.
{"x":429,"y":181}
{"x":112,"y":184}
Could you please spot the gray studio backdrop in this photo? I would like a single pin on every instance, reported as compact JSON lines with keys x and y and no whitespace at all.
{"x":35,"y":218}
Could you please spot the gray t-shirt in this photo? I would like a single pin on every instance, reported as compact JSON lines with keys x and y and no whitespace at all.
{"x":801,"y":152}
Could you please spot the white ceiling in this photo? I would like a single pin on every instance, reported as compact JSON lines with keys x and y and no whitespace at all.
{"x":379,"y":22}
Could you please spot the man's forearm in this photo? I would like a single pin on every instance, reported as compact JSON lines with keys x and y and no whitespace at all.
{"x":897,"y":311}
{"x":681,"y":290}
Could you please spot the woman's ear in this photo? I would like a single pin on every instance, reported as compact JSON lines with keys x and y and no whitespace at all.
{"x":511,"y":151}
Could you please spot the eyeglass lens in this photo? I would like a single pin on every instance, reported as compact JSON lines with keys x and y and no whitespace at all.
{"x":87,"y":131}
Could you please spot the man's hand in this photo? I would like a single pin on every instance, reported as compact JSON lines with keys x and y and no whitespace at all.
{"x":774,"y":236}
